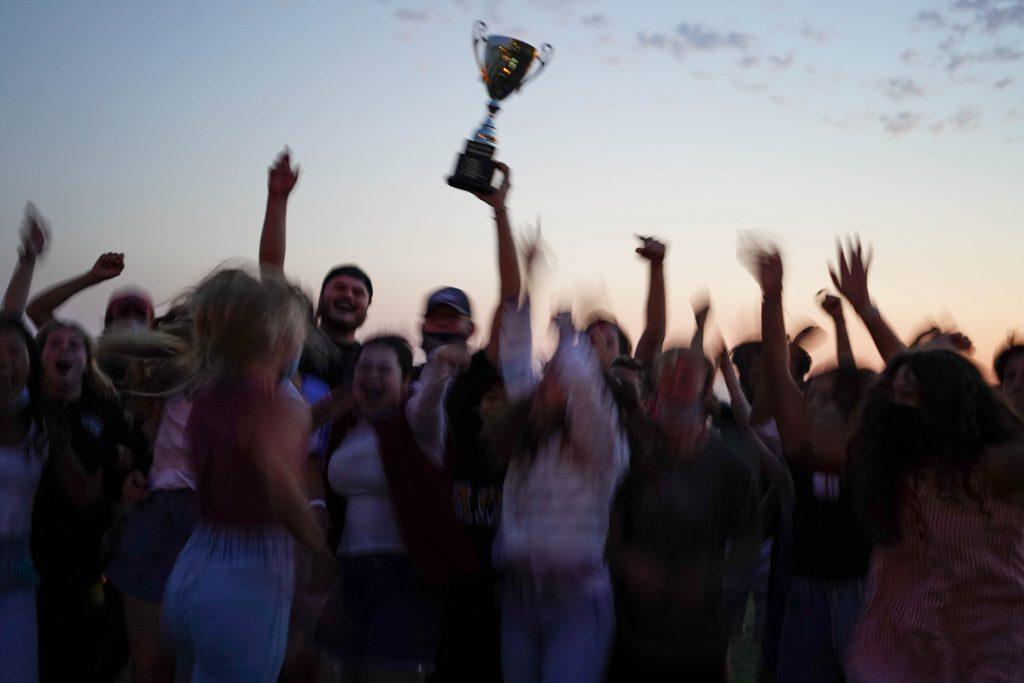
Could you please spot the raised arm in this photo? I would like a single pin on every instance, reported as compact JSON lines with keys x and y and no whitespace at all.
{"x":510,"y":283}
{"x":787,"y":400}
{"x":701,"y":309}
{"x":850,"y":276}
{"x":834,"y":308}
{"x":590,"y":409}
{"x":772,"y":469}
{"x":649,"y":345}
{"x":34,"y":235}
{"x":425,"y":410}
{"x":516,"y":357}
{"x":281,"y":181}
{"x":41,"y":308}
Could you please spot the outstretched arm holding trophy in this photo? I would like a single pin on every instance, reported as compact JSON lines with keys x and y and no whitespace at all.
{"x":504,"y":70}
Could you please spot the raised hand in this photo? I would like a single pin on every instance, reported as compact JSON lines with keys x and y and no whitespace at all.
{"x":455,"y":356}
{"x":35,"y":235}
{"x":850,"y":273}
{"x":652,"y":249}
{"x":831,"y":304}
{"x":282,"y":177}
{"x":763,"y":261}
{"x":497,"y":199}
{"x":531,"y":243}
{"x":107,"y":266}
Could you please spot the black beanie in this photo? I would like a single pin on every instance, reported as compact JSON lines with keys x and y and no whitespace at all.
{"x":351,"y":271}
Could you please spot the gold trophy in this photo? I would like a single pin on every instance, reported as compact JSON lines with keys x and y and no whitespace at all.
{"x":503,"y":69}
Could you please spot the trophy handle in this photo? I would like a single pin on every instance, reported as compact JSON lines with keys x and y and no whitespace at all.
{"x":479,"y":28}
{"x":544,"y":58}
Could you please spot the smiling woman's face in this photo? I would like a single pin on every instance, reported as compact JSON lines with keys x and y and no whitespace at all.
{"x":64,"y":357}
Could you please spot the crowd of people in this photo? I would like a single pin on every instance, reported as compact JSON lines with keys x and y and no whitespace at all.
{"x":241,"y":489}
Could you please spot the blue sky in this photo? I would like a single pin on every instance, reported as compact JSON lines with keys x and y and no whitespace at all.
{"x":147,"y":128}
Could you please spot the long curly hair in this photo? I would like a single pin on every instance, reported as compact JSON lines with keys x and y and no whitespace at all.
{"x":954,"y":417}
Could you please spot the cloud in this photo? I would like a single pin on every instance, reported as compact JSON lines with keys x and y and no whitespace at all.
{"x":749,"y":61}
{"x":974,"y":16}
{"x":910,"y":56}
{"x":594,"y":20}
{"x":993,"y":15}
{"x":689,"y":38}
{"x":659,"y":40}
{"x":699,"y":37}
{"x":967,"y":118}
{"x":1004,"y":83}
{"x":899,"y":89}
{"x":901,"y":122}
{"x":812,"y":33}
{"x":996,"y":55}
{"x":782,"y":61}
{"x":930,"y":19}
{"x":412,"y":15}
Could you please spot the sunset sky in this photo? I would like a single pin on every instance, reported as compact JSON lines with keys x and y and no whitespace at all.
{"x":147,"y":128}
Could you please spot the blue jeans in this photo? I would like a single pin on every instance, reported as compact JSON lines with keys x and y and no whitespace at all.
{"x":551,"y":634}
{"x":380,"y":614}
{"x":820,"y":617}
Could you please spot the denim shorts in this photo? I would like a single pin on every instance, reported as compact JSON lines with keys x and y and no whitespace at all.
{"x":151,"y":540}
{"x":381,"y":614}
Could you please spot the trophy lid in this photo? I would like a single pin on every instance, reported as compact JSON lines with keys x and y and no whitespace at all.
{"x":506,"y":62}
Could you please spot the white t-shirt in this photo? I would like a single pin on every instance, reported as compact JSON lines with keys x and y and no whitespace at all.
{"x":357,"y":473}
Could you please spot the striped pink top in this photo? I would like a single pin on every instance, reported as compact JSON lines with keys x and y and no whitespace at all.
{"x":946,"y":602}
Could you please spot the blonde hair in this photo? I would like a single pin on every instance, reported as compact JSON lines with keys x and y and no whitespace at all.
{"x":241,"y":318}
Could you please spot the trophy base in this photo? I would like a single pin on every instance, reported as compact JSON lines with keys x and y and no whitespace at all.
{"x":474,"y":169}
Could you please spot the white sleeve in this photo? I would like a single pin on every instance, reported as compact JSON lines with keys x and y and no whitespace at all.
{"x":591,"y":412}
{"x":425,"y":410}
{"x":515,"y":353}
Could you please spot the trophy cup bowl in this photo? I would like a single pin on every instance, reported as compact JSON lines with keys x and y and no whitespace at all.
{"x":504,"y":69}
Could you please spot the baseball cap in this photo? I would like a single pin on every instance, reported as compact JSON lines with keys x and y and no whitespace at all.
{"x":129,"y":297}
{"x":453,"y":297}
